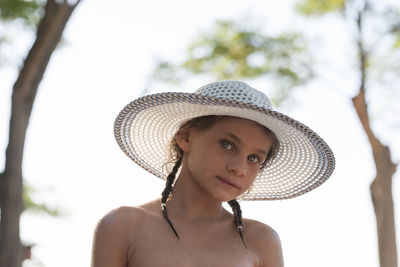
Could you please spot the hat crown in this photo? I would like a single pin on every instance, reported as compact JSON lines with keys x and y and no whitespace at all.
{"x":235,"y":90}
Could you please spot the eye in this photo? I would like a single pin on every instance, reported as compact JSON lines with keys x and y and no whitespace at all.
{"x":253,"y":159}
{"x":227,"y":145}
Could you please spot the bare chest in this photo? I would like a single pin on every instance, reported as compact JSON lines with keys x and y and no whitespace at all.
{"x":209,"y":247}
{"x":191,"y":256}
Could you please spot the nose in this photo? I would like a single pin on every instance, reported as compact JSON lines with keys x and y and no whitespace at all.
{"x":237,"y":166}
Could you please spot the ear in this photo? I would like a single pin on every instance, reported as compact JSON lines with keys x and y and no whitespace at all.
{"x":183,"y":139}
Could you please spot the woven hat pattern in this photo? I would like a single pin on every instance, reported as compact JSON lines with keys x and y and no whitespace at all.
{"x":145,"y":127}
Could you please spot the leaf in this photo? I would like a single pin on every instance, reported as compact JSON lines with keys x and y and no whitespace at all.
{"x":320,"y":7}
{"x":231,"y":51}
{"x":29,"y":11}
{"x":30,"y":205}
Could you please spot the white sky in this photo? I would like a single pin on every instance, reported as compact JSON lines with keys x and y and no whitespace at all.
{"x":72,"y":159}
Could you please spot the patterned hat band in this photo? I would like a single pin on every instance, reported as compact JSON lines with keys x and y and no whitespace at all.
{"x":145,"y":127}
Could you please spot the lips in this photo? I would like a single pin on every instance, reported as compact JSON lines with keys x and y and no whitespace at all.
{"x":228,"y":181}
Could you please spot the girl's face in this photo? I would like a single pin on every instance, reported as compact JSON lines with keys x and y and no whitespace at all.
{"x":224,"y":159}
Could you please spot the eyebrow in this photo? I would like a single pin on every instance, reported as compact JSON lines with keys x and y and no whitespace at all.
{"x":238,"y":140}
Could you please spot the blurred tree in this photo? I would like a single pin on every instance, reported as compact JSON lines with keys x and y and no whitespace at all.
{"x":29,"y":204}
{"x":51,"y":17}
{"x":232,"y":51}
{"x":30,"y":13}
{"x":357,"y":12}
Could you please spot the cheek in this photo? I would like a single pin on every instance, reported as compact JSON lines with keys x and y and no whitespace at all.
{"x":199,"y":160}
{"x":252,"y":177}
{"x":204,"y":151}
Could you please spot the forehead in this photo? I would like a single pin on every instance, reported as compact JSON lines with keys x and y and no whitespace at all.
{"x":247,"y":131}
{"x":229,"y":120}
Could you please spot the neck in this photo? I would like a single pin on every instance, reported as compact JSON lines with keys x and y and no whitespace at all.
{"x":189,"y":202}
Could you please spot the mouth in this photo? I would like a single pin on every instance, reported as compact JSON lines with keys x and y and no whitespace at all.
{"x":227,"y":182}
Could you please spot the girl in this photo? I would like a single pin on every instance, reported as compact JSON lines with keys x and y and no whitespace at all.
{"x":224,"y":142}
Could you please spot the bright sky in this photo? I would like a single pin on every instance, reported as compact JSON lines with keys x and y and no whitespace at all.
{"x":72,"y":159}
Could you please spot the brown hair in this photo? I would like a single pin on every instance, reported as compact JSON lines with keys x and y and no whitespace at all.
{"x":176,"y":155}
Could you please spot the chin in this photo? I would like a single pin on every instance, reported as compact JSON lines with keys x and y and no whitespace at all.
{"x":225,"y":197}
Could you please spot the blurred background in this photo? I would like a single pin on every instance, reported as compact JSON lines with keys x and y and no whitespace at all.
{"x":333,"y":65}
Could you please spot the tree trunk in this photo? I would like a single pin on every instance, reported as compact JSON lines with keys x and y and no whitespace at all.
{"x":381,"y":187}
{"x":25,"y":88}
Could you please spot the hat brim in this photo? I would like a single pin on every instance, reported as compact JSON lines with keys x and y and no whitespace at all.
{"x":145,"y":127}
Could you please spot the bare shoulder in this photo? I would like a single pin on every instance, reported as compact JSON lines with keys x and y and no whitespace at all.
{"x":119,"y":215}
{"x":124,"y":219}
{"x":265,"y":241}
{"x":260,"y":233}
{"x":115,"y":236}
{"x":118,"y":220}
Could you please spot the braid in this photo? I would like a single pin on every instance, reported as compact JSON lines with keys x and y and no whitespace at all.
{"x":166,"y":192}
{"x":237,"y":216}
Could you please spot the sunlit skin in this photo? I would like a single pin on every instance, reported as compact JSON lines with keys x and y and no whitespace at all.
{"x":219,"y":164}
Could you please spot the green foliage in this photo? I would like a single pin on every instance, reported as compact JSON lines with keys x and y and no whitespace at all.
{"x":32,"y":206}
{"x":320,"y":7}
{"x":230,"y":51}
{"x":396,"y":43}
{"x":394,"y":26}
{"x":30,"y":11}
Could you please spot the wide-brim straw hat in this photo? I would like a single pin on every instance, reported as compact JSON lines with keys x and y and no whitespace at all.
{"x":145,"y":127}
